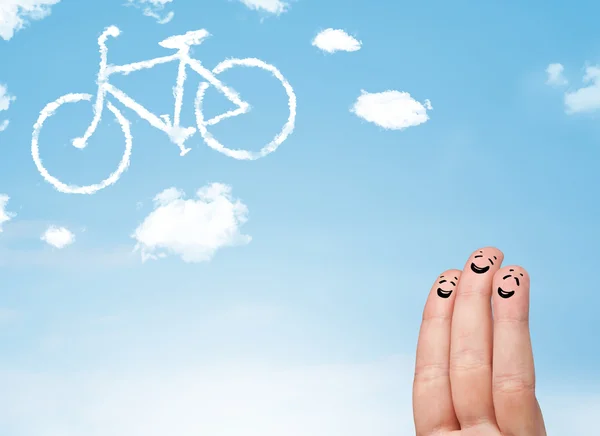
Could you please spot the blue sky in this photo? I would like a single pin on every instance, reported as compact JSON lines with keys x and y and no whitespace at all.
{"x":311,"y":326}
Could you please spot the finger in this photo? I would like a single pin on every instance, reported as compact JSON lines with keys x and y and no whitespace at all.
{"x":471,"y":340}
{"x":541,"y":425}
{"x":513,"y":371}
{"x":432,"y":399}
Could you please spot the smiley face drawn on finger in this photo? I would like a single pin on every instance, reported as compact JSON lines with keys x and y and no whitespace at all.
{"x":508,"y":278}
{"x":480,"y":265}
{"x":445,"y":293}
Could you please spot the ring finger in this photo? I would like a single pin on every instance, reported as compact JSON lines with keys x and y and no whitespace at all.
{"x":516,"y":407}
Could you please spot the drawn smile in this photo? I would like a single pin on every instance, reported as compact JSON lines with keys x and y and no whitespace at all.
{"x":505,"y":294}
{"x":478,"y":270}
{"x":442,"y":293}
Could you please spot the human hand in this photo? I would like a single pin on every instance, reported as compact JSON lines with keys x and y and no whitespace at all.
{"x":474,"y":373}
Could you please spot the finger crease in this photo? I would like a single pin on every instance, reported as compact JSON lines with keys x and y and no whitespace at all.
{"x":431,"y":372}
{"x":513,"y":383}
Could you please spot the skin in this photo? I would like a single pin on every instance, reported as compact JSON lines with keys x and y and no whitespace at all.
{"x":474,"y":372}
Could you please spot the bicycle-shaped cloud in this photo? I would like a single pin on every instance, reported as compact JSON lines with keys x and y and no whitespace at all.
{"x":176,"y":132}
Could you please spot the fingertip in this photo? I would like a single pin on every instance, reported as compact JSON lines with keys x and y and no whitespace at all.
{"x":489,"y":249}
{"x":446,"y":283}
{"x":516,"y":273}
{"x":441,"y":295}
{"x":511,"y":283}
{"x":494,"y":251}
{"x":485,"y":257}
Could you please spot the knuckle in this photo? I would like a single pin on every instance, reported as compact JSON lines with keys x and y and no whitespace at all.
{"x":469,"y":360}
{"x":519,"y":320}
{"x":432,"y":317}
{"x":513,"y":383}
{"x":430,"y":372}
{"x":473,"y":291}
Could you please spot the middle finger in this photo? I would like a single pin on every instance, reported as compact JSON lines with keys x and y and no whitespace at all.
{"x":471,"y":340}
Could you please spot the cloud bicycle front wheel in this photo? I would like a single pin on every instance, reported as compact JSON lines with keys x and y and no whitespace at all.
{"x":46,"y":113}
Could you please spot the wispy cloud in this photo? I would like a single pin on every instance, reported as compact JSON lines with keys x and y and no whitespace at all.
{"x":5,"y":215}
{"x":392,"y":110}
{"x":192,"y":229}
{"x":16,"y":14}
{"x":21,"y":247}
{"x":58,"y":237}
{"x":271,"y":6}
{"x":82,"y":259}
{"x":154,"y":8}
{"x":5,"y":100}
{"x":587,"y":98}
{"x":228,"y":399}
{"x":555,"y":75}
{"x":256,"y":398}
{"x":332,"y":40}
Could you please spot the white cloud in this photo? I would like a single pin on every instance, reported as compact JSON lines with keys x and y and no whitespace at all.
{"x":555,"y":75}
{"x":58,"y":237}
{"x":192,"y":229}
{"x":332,"y":40}
{"x":16,"y":14}
{"x":585,"y":99}
{"x":152,"y":8}
{"x":392,"y":110}
{"x":272,"y":6}
{"x":5,"y":216}
{"x":5,"y":100}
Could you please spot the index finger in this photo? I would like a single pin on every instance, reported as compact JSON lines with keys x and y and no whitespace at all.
{"x":432,"y":398}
